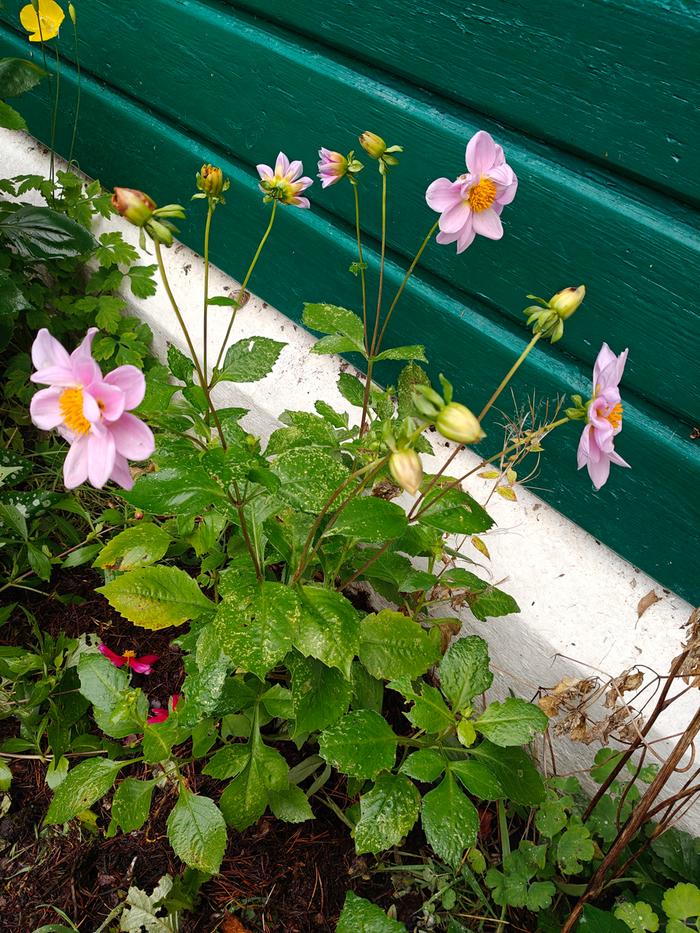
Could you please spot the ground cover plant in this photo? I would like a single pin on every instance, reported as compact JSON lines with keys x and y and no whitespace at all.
{"x":256,"y":635}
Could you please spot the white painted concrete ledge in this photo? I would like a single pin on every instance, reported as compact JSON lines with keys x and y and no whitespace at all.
{"x":578,"y":599}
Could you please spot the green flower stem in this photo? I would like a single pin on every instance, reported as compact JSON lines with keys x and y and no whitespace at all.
{"x":54,"y":111}
{"x":183,"y":327}
{"x":363,"y":279}
{"x":509,"y":375}
{"x":407,"y":276}
{"x":375,"y":332}
{"x":242,"y":289}
{"x":205,"y":309}
{"x":78,"y":95}
{"x":539,"y":434}
{"x":505,"y":841}
{"x":308,"y":549}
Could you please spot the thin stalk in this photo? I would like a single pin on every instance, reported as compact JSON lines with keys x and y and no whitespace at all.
{"x":54,"y":111}
{"x":407,"y":276}
{"x":505,"y":841}
{"x":509,"y":375}
{"x":183,"y":327}
{"x":375,"y":332}
{"x":363,"y":279}
{"x":306,"y":550}
{"x":205,"y":309}
{"x":78,"y":96}
{"x":242,"y":289}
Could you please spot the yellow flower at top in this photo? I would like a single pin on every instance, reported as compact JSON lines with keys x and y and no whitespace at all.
{"x":42,"y":20}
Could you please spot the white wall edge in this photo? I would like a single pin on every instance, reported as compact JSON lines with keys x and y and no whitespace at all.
{"x":578,"y":599}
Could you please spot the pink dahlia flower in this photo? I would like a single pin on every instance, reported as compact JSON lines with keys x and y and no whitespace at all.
{"x":90,"y":411}
{"x":142,"y":665}
{"x":596,"y":449}
{"x":285,"y":183}
{"x":161,"y":714}
{"x":473,"y":202}
{"x":332,"y":166}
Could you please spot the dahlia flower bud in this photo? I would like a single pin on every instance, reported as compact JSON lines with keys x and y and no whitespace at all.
{"x":211,"y":181}
{"x":71,"y":13}
{"x":406,"y":468}
{"x":567,"y":301}
{"x":373,"y":145}
{"x":457,"y":423}
{"x":134,"y":205}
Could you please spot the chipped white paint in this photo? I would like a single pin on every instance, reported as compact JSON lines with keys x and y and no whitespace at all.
{"x":578,"y":599}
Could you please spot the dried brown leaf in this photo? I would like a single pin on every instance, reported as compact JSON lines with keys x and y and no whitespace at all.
{"x":645,"y":602}
{"x":624,"y":683}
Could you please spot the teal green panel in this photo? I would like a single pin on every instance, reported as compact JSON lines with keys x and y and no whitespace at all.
{"x":250,"y":92}
{"x":618,"y":81}
{"x":650,"y":514}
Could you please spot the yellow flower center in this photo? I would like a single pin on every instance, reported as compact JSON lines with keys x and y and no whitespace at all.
{"x":129,"y":654}
{"x":482,"y":195}
{"x":614,"y":416}
{"x":71,"y":406}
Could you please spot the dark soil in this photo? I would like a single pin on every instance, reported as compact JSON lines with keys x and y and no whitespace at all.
{"x":275,"y":877}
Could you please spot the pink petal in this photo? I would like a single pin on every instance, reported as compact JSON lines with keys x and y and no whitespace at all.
{"x":100,"y":457}
{"x":506,"y":195}
{"x":44,"y":409}
{"x":149,"y":658}
{"x":116,"y":659}
{"x":304,"y":183}
{"x":139,"y":665}
{"x":454,"y":219}
{"x":466,"y":236}
{"x":446,"y":238}
{"x":157,"y":715}
{"x":502,"y":175}
{"x":132,"y":437}
{"x":603,"y":360}
{"x":132,"y":383}
{"x":481,"y":153}
{"x":121,"y":474}
{"x":617,"y":459}
{"x":54,"y":376}
{"x":264,"y":171}
{"x":91,"y":410}
{"x":48,"y":352}
{"x":609,"y":376}
{"x":301,"y":202}
{"x":110,"y":399}
{"x":75,"y":466}
{"x":583,"y":452}
{"x":282,"y":164}
{"x":488,"y":224}
{"x":295,"y":169}
{"x":442,"y":194}
{"x":599,"y":471}
{"x":500,"y":156}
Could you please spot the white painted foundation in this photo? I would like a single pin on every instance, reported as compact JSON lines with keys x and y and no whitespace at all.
{"x":578,"y":599}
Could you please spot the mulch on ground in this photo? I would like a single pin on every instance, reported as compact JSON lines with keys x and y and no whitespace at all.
{"x":275,"y":877}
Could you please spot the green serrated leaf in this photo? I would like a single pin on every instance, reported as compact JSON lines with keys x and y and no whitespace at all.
{"x":388,"y":813}
{"x":249,"y":360}
{"x":331,"y":319}
{"x":156,"y":597}
{"x":575,"y":846}
{"x":464,"y":671}
{"x":131,"y":803}
{"x":360,"y":744}
{"x":329,"y":628}
{"x":308,"y":477}
{"x":360,"y":916}
{"x":393,"y":646}
{"x":370,"y":519}
{"x":85,"y":783}
{"x":513,"y":722}
{"x":450,"y":821}
{"x":139,"y":546}
{"x":197,"y":832}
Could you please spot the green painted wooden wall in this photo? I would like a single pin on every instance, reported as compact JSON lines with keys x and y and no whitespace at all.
{"x":596,"y":104}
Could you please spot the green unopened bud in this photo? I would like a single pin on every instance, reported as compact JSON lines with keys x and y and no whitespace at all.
{"x":567,"y":301}
{"x":457,"y":423}
{"x":211,"y":181}
{"x":134,"y":205}
{"x":373,"y":145}
{"x":406,"y":468}
{"x":427,"y":401}
{"x":160,"y":232}
{"x":71,"y":13}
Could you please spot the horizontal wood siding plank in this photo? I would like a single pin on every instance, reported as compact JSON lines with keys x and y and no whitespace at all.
{"x":650,"y":513}
{"x":611,"y":79}
{"x":253,"y":92}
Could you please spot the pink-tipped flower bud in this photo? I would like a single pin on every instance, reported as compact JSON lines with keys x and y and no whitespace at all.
{"x":134,"y":205}
{"x":406,"y":468}
{"x":457,"y":423}
{"x":567,"y":301}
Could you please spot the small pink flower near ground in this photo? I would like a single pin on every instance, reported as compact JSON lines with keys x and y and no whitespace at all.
{"x":596,"y":449}
{"x":332,"y":166}
{"x":161,"y":714}
{"x":285,"y":183}
{"x":142,"y":665}
{"x":473,"y":202}
{"x":90,"y":411}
